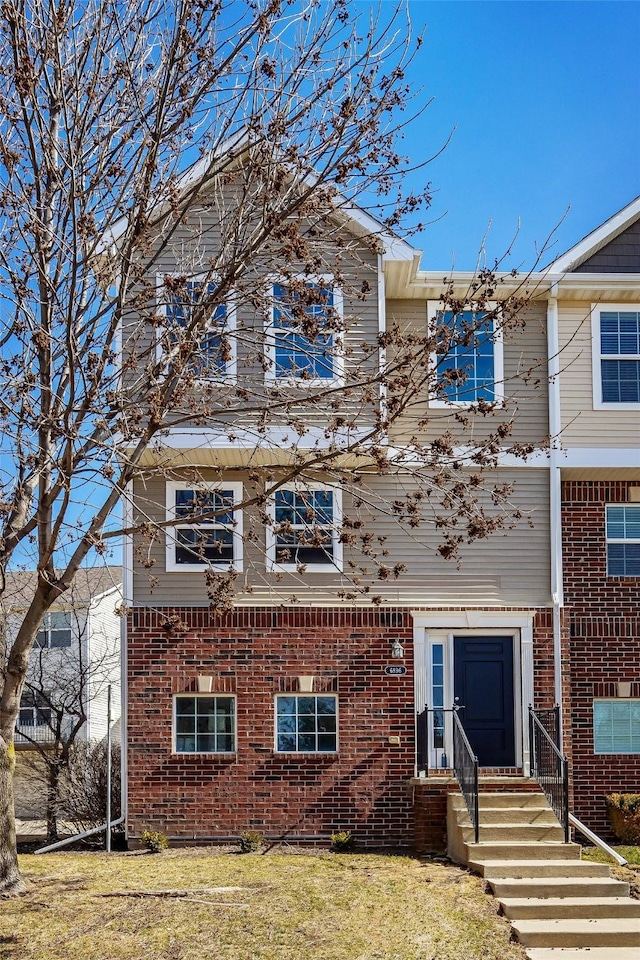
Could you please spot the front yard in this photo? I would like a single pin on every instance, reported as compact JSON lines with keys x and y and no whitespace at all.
{"x":278,"y":906}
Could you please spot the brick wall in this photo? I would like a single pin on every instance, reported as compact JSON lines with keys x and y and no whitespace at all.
{"x":604,"y":615}
{"x":256,"y":653}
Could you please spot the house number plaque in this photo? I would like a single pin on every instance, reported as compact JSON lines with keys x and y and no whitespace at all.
{"x":395,"y":670}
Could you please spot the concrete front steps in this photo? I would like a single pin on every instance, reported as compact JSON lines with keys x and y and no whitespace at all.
{"x":559,"y":906}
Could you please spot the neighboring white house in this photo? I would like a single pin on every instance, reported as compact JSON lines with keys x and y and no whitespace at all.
{"x":75,"y":658}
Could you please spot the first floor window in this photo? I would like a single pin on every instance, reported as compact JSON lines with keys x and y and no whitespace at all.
{"x":34,"y":710}
{"x":305,"y":529}
{"x":616,"y":726}
{"x":205,"y":724}
{"x":210,"y":531}
{"x":55,"y":630}
{"x":306,"y":724}
{"x":623,"y":541}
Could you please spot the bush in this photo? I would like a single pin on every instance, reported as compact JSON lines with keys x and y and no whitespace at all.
{"x":624,"y":816}
{"x":250,"y":841}
{"x":154,"y":840}
{"x":342,"y":841}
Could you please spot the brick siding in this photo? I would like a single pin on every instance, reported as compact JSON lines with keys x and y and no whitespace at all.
{"x":255,"y":654}
{"x":604,"y":614}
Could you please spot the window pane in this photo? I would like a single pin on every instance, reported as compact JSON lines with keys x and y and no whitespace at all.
{"x":185,"y":705}
{"x":286,"y":743}
{"x":210,"y":356}
{"x":287,"y":705}
{"x":327,"y":743}
{"x":205,"y":724}
{"x":307,"y":742}
{"x":196,"y":545}
{"x":467,"y":354}
{"x":623,"y":535}
{"x":326,"y":705}
{"x":311,"y":728}
{"x":302,"y":347}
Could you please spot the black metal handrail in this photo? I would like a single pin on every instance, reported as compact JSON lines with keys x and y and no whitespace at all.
{"x":550,"y":768}
{"x":465,"y":767}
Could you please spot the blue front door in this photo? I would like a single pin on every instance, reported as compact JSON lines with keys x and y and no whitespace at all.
{"x":483,"y":686}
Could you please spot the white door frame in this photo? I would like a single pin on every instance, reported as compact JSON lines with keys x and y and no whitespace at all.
{"x":442,"y":626}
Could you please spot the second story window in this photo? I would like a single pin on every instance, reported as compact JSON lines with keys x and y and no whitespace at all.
{"x":55,"y":630}
{"x":623,"y":540}
{"x":616,"y":356}
{"x":208,"y":528}
{"x":468,"y":357}
{"x":305,"y":530}
{"x":303,"y":342}
{"x":212,"y":354}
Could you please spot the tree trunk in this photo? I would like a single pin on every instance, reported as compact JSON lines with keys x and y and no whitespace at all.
{"x":10,"y":880}
{"x":53,"y":787}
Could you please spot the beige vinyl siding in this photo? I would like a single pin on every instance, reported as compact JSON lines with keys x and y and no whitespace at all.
{"x":525,"y":384}
{"x":582,"y":426}
{"x":195,"y":247}
{"x":507,"y":568}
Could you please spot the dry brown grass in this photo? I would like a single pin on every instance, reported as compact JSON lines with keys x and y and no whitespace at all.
{"x":316,"y":906}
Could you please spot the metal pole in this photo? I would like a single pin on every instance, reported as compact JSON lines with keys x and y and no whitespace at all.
{"x":108,"y":834}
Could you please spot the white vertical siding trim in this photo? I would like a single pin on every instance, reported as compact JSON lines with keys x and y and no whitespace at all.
{"x":382,"y":353}
{"x":526,"y":673}
{"x":420,"y":678}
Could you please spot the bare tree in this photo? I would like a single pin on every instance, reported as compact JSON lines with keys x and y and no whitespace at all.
{"x":125,"y":128}
{"x":65,"y":680}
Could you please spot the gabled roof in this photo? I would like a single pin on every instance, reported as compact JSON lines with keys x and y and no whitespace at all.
{"x":89,"y":584}
{"x":597,"y":239}
{"x":361,"y":223}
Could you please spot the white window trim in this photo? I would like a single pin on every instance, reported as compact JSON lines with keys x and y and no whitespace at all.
{"x":171,"y":531}
{"x":231,"y":367}
{"x":337,"y":379}
{"x":608,"y":539}
{"x":337,"y":565}
{"x":596,"y":355}
{"x":434,"y":307}
{"x":302,"y":753}
{"x":205,"y":753}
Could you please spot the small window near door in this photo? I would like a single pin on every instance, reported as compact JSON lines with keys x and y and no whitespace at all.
{"x":437,"y":693}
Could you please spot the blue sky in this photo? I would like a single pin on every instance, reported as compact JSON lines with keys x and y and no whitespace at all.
{"x":545,"y":101}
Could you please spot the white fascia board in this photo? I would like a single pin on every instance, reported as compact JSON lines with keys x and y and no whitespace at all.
{"x":597,"y":239}
{"x":600,"y":457}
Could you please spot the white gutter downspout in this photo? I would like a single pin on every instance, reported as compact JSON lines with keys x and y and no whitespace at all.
{"x":127,"y":597}
{"x":555,"y":491}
